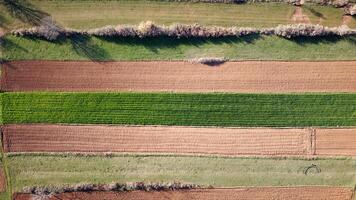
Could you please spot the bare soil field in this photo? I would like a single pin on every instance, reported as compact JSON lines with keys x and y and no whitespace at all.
{"x":275,"y":193}
{"x":336,"y":142}
{"x":249,"y":76}
{"x":149,"y":139}
{"x":2,"y":180}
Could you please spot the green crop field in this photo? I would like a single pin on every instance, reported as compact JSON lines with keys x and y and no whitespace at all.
{"x":28,"y":170}
{"x":94,"y":13}
{"x":243,"y":48}
{"x":181,"y":109}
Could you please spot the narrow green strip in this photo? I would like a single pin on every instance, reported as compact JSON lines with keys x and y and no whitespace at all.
{"x":220,"y":172}
{"x":252,"y":110}
{"x":251,"y":47}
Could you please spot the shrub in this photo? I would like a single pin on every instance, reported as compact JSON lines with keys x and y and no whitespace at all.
{"x":39,"y":191}
{"x":208,"y":61}
{"x":309,"y":30}
{"x":149,"y":29}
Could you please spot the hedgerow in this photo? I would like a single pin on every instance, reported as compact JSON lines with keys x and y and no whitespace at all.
{"x":150,"y":29}
{"x":45,"y":192}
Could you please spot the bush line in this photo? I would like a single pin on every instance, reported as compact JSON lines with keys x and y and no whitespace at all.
{"x":149,"y":29}
{"x":117,"y":187}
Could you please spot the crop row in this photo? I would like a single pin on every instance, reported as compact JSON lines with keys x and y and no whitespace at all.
{"x":215,"y":109}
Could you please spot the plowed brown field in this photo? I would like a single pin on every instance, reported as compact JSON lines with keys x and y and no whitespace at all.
{"x":266,"y":193}
{"x":250,"y":76}
{"x":181,"y":140}
{"x":336,"y":142}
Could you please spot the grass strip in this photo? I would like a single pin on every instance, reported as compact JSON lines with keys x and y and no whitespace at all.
{"x":211,"y":109}
{"x":252,"y":47}
{"x":96,"y":13}
{"x":30,"y":170}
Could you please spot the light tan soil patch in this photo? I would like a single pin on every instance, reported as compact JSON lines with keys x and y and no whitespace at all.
{"x":162,"y":139}
{"x":249,"y":77}
{"x":2,"y":180}
{"x":336,"y":142}
{"x":299,"y":17}
{"x":275,"y":193}
{"x":346,"y":19}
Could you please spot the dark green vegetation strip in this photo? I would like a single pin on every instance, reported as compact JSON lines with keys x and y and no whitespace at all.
{"x":29,"y":170}
{"x":181,"y":109}
{"x":244,"y":48}
{"x":94,"y":13}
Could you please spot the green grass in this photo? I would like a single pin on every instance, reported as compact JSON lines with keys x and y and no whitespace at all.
{"x":91,"y":13}
{"x":270,"y":110}
{"x":29,"y":170}
{"x":244,"y":48}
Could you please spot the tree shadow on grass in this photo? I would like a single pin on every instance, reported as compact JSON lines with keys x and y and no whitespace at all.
{"x":164,"y":42}
{"x":85,"y":47}
{"x":314,"y":12}
{"x":6,"y":44}
{"x":25,"y":11}
{"x":322,"y":39}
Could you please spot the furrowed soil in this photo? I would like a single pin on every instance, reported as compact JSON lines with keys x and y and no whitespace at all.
{"x":249,"y":77}
{"x":180,"y":140}
{"x":336,"y":142}
{"x":276,"y":193}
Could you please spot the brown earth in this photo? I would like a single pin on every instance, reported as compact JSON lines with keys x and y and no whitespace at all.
{"x":336,"y":142}
{"x":299,"y":17}
{"x":161,"y":139}
{"x":256,"y":193}
{"x":2,"y":180}
{"x":250,"y":76}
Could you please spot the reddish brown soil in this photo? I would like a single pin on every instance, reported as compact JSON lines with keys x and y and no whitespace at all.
{"x":181,"y":140}
{"x":299,"y":17}
{"x":336,"y":142}
{"x":2,"y":181}
{"x":252,"y":77}
{"x":269,"y":193}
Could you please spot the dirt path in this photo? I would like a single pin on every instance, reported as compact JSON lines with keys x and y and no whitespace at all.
{"x":299,"y":17}
{"x":148,"y":139}
{"x":257,"y":193}
{"x":249,"y":77}
{"x":336,"y":142}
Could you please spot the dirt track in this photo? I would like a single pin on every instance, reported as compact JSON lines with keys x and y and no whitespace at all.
{"x":336,"y":142}
{"x":252,"y":77}
{"x":147,"y":139}
{"x":266,"y":193}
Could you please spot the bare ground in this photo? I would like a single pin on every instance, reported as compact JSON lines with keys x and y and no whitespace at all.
{"x":299,"y":17}
{"x":336,"y":142}
{"x":161,"y":139}
{"x":256,"y":193}
{"x":249,"y":77}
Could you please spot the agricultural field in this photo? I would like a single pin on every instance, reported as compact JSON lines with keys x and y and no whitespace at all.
{"x":166,"y":99}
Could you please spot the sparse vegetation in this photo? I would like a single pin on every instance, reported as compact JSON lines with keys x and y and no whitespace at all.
{"x":57,"y":170}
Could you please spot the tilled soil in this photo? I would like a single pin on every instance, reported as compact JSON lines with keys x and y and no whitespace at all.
{"x":162,"y":139}
{"x":336,"y":142}
{"x":249,"y":76}
{"x":256,"y":193}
